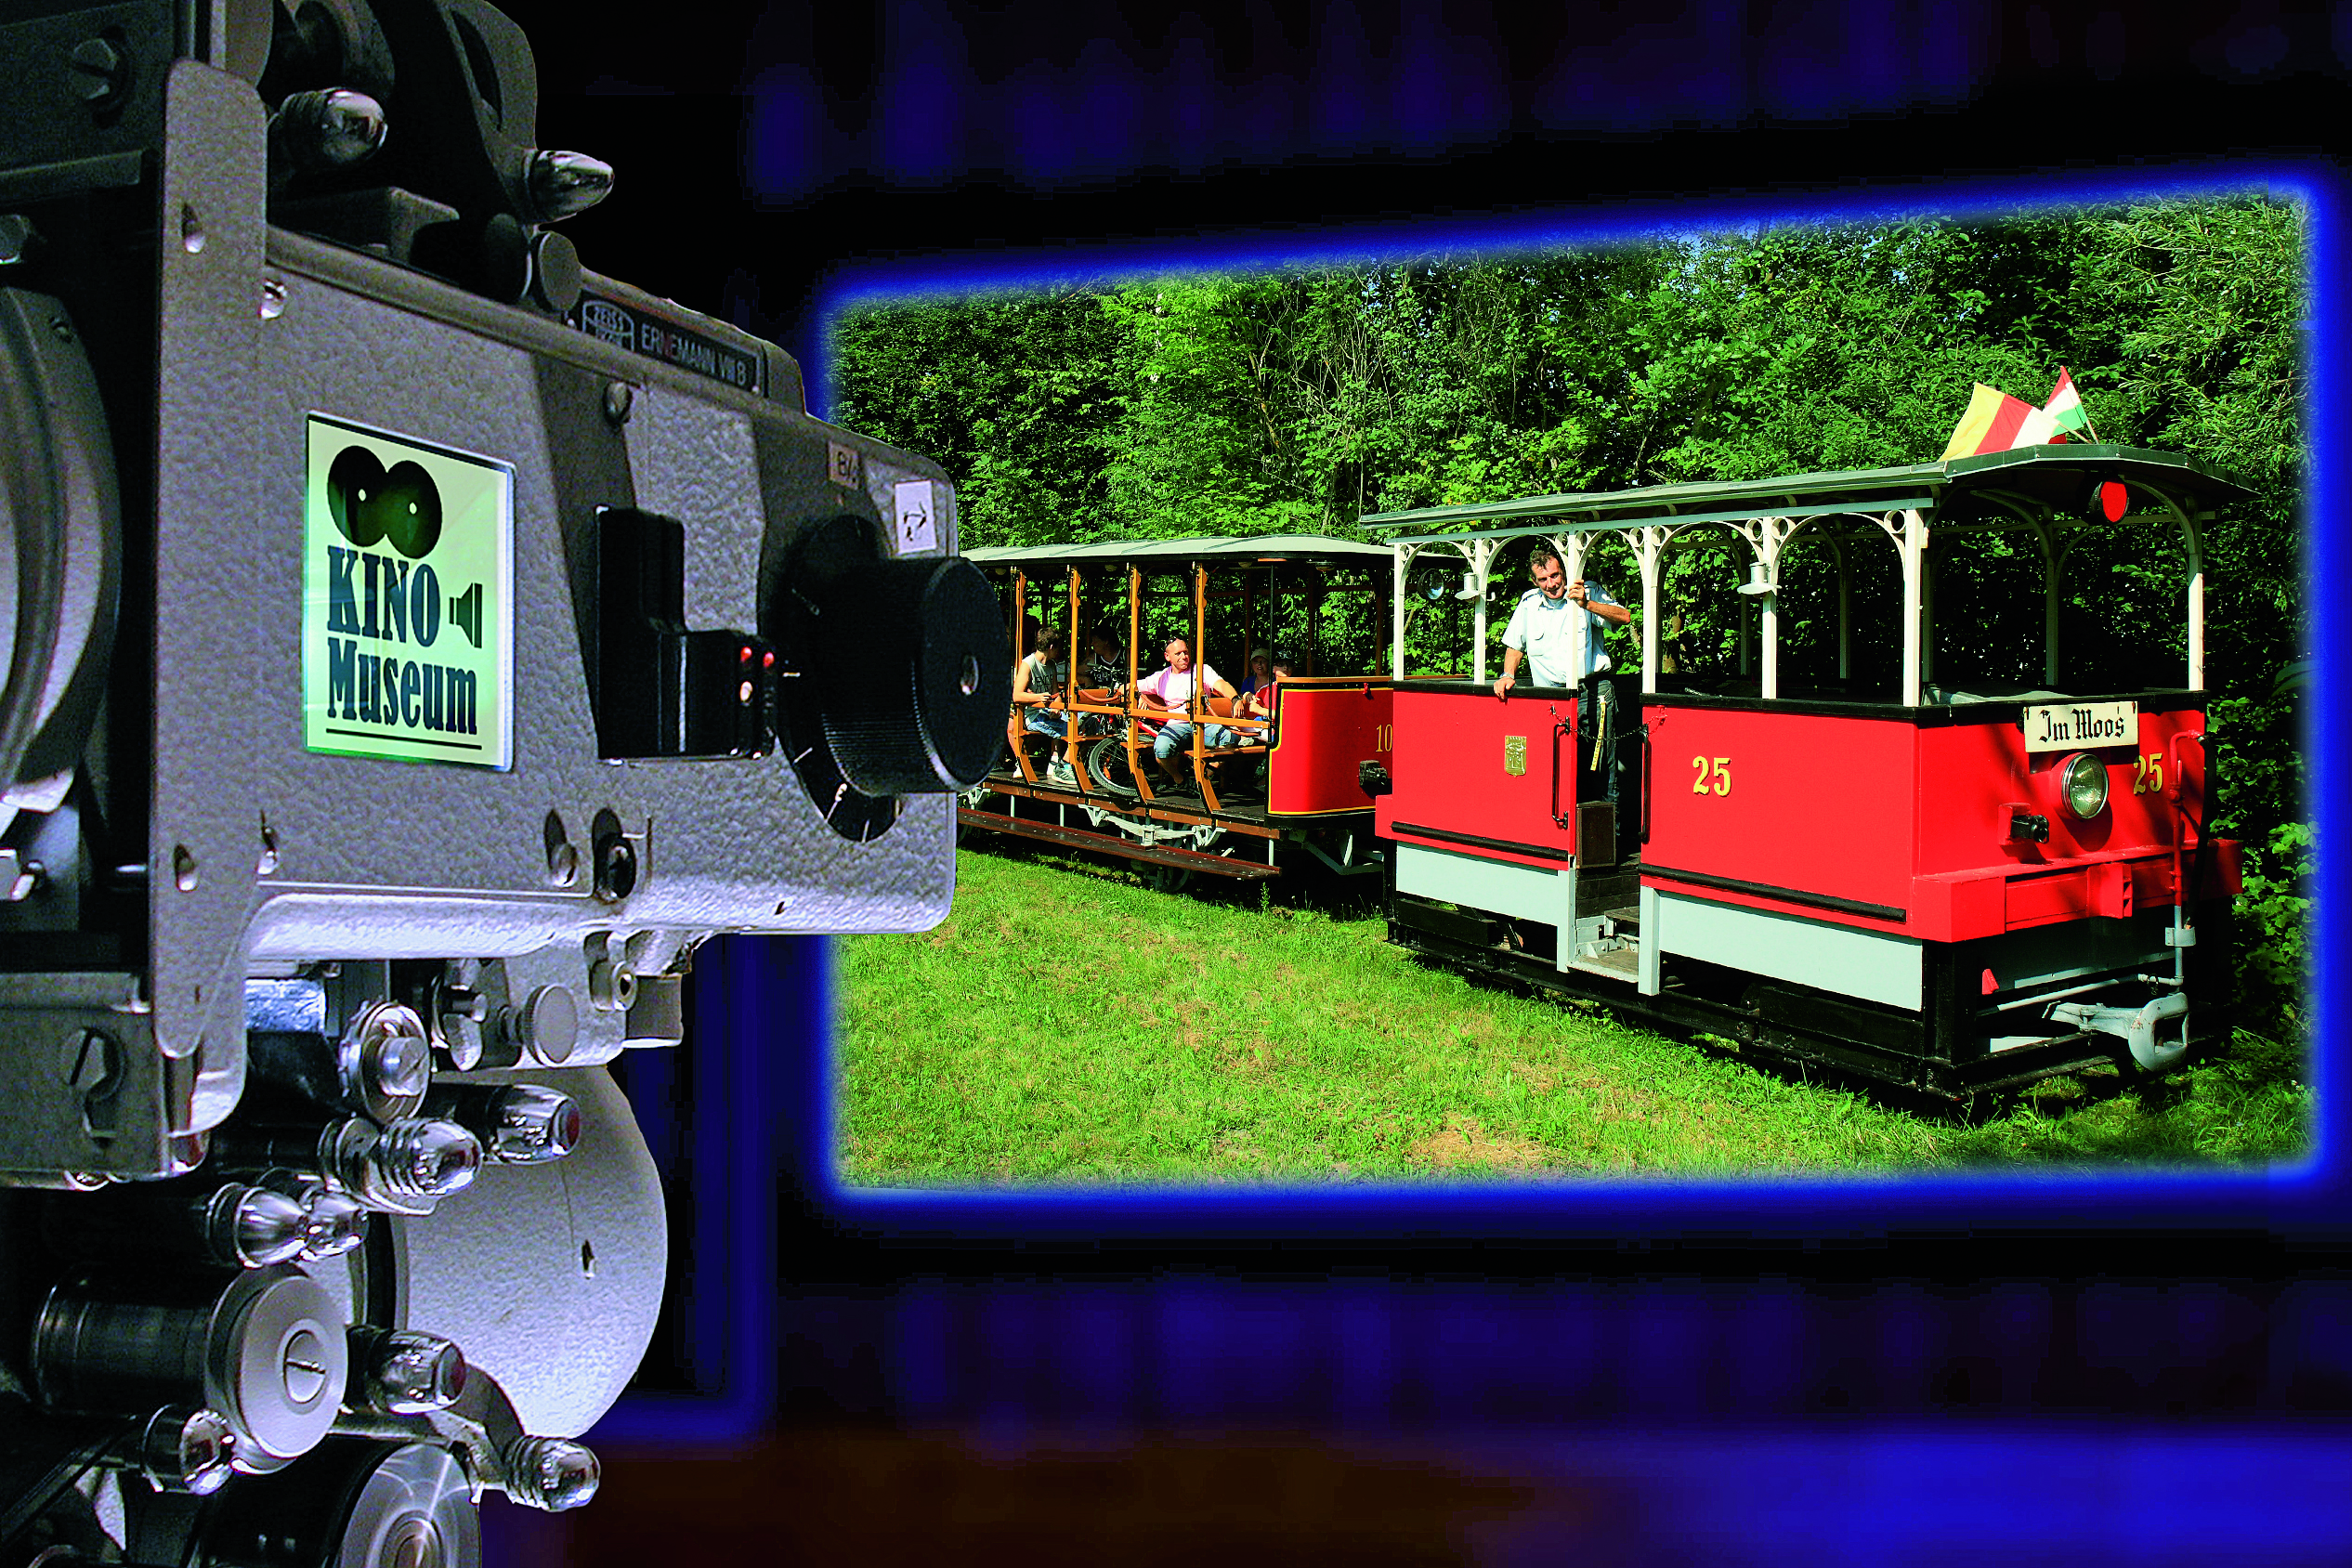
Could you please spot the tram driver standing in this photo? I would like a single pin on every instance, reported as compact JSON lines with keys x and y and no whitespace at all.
{"x":1541,"y":631}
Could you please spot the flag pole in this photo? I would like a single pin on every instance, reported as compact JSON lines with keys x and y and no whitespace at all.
{"x":2066,"y":375}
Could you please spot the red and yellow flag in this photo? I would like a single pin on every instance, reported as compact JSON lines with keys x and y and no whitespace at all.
{"x":1991,"y":424}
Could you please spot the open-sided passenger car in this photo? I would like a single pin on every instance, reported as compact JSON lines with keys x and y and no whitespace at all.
{"x":1292,"y":792}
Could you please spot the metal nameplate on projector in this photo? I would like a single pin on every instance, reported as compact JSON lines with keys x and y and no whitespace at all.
{"x":408,"y":599}
{"x":641,"y":332}
{"x":2069,"y":727}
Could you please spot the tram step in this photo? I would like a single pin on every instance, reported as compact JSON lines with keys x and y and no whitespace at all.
{"x":1622,"y":962}
{"x":1627,"y":920}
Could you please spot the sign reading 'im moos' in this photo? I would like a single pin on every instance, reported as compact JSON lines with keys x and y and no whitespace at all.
{"x":407,"y":588}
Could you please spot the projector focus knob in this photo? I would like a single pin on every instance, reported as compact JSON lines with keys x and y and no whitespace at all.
{"x":911,"y":670}
{"x":915,"y":700}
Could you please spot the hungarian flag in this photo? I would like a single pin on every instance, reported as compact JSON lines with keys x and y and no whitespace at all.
{"x":2056,"y":420}
{"x":1991,"y":424}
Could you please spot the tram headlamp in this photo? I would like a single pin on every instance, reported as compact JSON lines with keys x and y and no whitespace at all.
{"x":2083,"y":780}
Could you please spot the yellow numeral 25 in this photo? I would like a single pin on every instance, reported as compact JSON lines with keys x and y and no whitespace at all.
{"x":1717,"y":775}
{"x":2150,"y":776}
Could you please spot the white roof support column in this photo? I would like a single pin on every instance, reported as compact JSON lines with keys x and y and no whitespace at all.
{"x":1911,"y":544}
{"x":1572,"y":561}
{"x":1771,"y":539}
{"x":2196,"y":617}
{"x":2192,"y":546}
{"x":1648,"y":544}
{"x":1480,"y":553}
{"x":1927,"y":611}
{"x":1400,"y":562}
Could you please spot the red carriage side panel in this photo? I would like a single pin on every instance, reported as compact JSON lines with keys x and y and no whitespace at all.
{"x":1904,"y":827}
{"x":1807,"y":804}
{"x":1475,"y":773}
{"x":1972,"y":774}
{"x":2112,"y":864}
{"x":1328,"y":729}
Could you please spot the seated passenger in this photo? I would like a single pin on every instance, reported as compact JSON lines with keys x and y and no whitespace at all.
{"x":1105,"y":661}
{"x":1266,"y":700}
{"x":1260,"y":675}
{"x":1038,"y":682}
{"x":1172,"y":688}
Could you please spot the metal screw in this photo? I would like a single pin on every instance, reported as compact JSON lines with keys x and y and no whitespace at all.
{"x":99,"y":71}
{"x":18,"y":877}
{"x":16,"y":238}
{"x":612,"y":986}
{"x":253,"y":1227}
{"x":395,"y":1057}
{"x":305,"y":1369}
{"x":330,"y":129}
{"x":273,"y":298}
{"x":406,"y":1373}
{"x":563,"y":864}
{"x":464,"y":1013}
{"x":620,"y":399}
{"x":553,"y":1474}
{"x":187,"y":1450}
{"x":191,"y":230}
{"x":267,"y":861}
{"x":184,"y":868}
{"x":616,"y":868}
{"x":560,"y":184}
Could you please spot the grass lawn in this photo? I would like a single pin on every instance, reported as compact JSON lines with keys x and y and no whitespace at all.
{"x":1068,"y":1024}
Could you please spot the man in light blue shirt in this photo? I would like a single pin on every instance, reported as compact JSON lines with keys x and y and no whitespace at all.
{"x":1542,"y":630}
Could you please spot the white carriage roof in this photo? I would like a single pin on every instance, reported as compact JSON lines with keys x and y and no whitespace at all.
{"x":1228,"y":548}
{"x":2050,"y":477}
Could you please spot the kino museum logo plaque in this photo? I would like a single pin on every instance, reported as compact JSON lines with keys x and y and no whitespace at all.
{"x":408,"y":593}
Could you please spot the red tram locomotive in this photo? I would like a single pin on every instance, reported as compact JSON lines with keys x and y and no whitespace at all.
{"x":1954,"y":891}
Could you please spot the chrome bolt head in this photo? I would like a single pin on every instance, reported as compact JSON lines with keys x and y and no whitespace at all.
{"x":561,"y":184}
{"x":184,"y":1449}
{"x":253,"y":1227}
{"x":410,"y":1373}
{"x":531,"y":1124}
{"x":553,"y":1474}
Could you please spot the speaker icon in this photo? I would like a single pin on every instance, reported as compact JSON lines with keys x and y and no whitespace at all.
{"x":466,"y":614}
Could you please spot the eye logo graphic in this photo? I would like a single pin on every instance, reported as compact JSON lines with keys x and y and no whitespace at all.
{"x":408,"y":599}
{"x":401,"y":507}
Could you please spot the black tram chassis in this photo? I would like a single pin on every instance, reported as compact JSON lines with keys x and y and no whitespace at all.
{"x":1930,"y":1051}
{"x":1245,"y":830}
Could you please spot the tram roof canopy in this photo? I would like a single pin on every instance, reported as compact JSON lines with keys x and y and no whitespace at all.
{"x":2055,"y":477}
{"x":1231,"y":548}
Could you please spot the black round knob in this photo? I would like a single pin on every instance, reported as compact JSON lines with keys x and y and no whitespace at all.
{"x":915,"y":675}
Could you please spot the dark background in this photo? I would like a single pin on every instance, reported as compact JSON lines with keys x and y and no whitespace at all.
{"x":833,"y":1382}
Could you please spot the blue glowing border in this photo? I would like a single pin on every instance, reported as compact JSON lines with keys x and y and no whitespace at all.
{"x":2284,"y":1198}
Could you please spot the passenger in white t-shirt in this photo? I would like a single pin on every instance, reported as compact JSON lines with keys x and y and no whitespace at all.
{"x":1171,"y":687}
